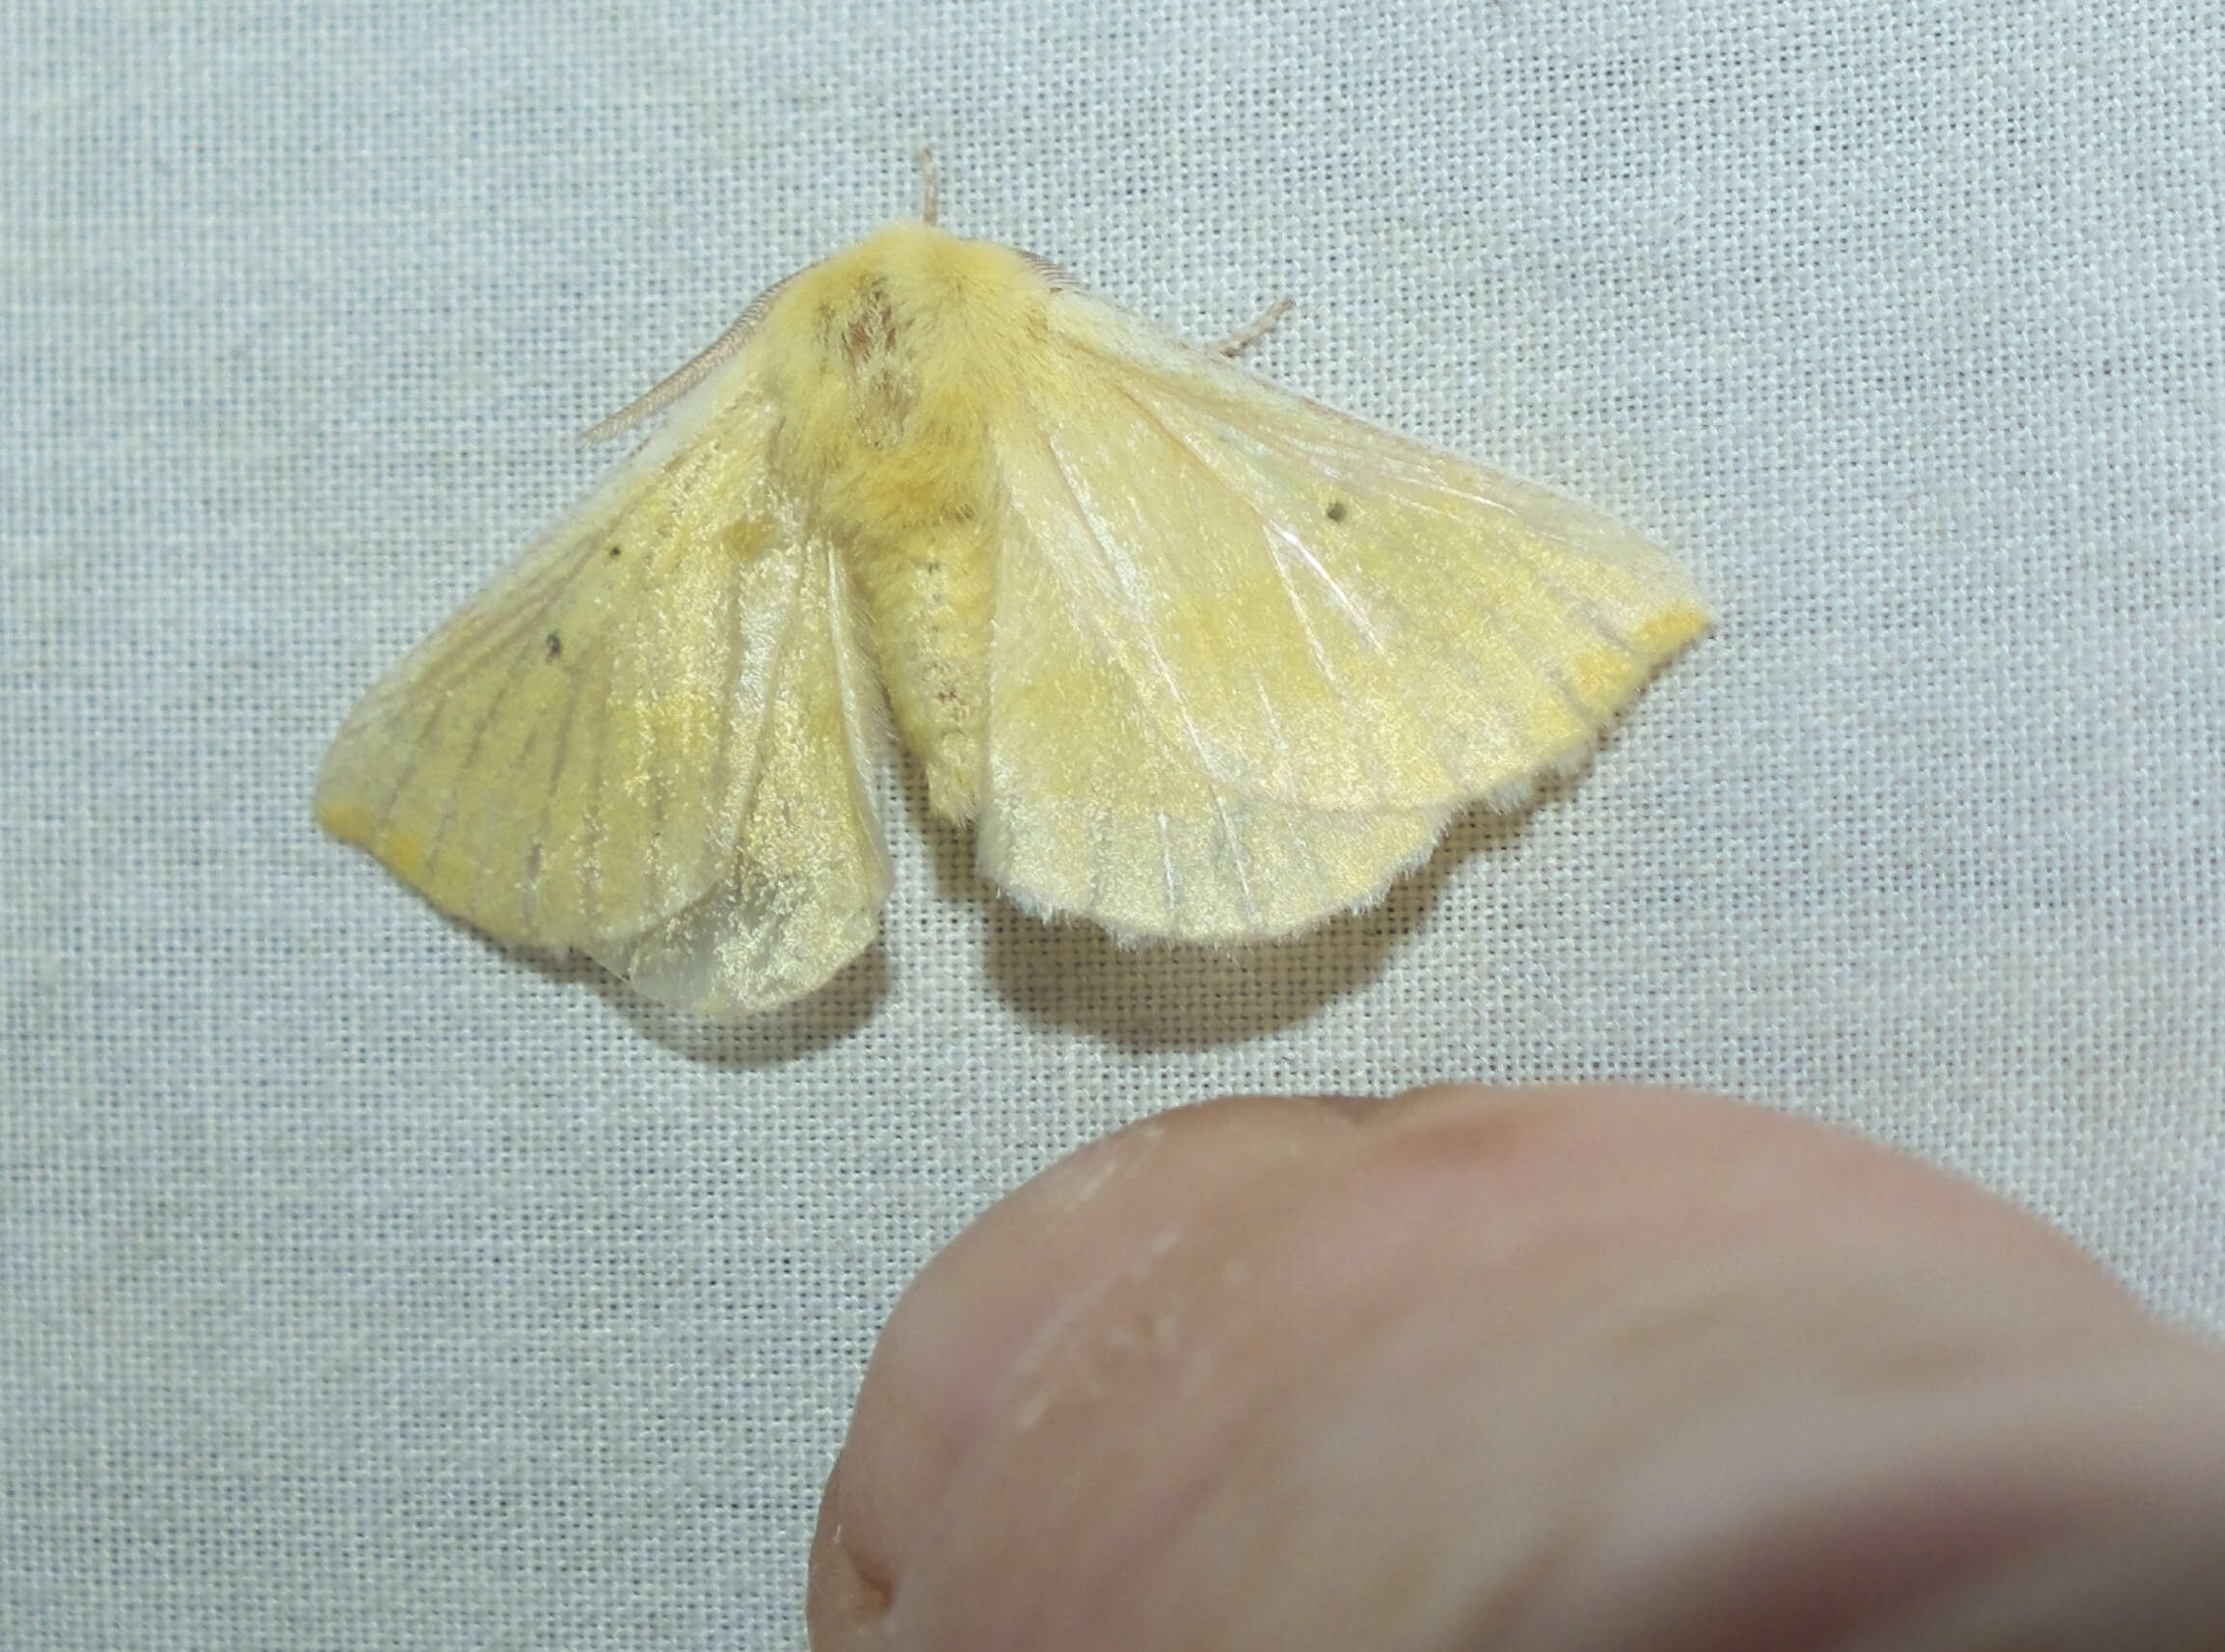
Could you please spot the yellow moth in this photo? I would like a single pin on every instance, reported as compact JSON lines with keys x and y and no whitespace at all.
{"x":1197,"y":659}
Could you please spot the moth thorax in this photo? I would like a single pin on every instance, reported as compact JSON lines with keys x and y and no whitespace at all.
{"x":889,"y":442}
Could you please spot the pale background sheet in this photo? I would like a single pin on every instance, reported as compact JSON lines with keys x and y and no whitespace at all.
{"x":365,"y":1287}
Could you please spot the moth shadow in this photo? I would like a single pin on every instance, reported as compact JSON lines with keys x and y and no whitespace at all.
{"x":796,"y":1030}
{"x":1174,"y":995}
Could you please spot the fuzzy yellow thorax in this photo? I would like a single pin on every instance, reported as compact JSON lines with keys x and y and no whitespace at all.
{"x":891,"y":361}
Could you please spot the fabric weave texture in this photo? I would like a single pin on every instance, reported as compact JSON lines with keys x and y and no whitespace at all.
{"x":363,"y":1286}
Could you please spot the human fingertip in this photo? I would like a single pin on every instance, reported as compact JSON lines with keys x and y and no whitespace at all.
{"x":2151,"y":1585}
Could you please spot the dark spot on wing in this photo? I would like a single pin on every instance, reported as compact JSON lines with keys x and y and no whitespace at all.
{"x":1338,"y":510}
{"x":555,"y":645}
{"x":614,"y":550}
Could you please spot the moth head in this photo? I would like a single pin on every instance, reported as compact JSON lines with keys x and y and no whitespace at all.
{"x":890,"y":359}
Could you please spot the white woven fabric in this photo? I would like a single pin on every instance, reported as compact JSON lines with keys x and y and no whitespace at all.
{"x":365,"y":1287}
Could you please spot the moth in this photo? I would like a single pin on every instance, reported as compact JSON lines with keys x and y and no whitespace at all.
{"x":1196,"y":657}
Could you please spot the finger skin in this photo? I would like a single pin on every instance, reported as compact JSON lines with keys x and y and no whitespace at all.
{"x":1540,"y":1369}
